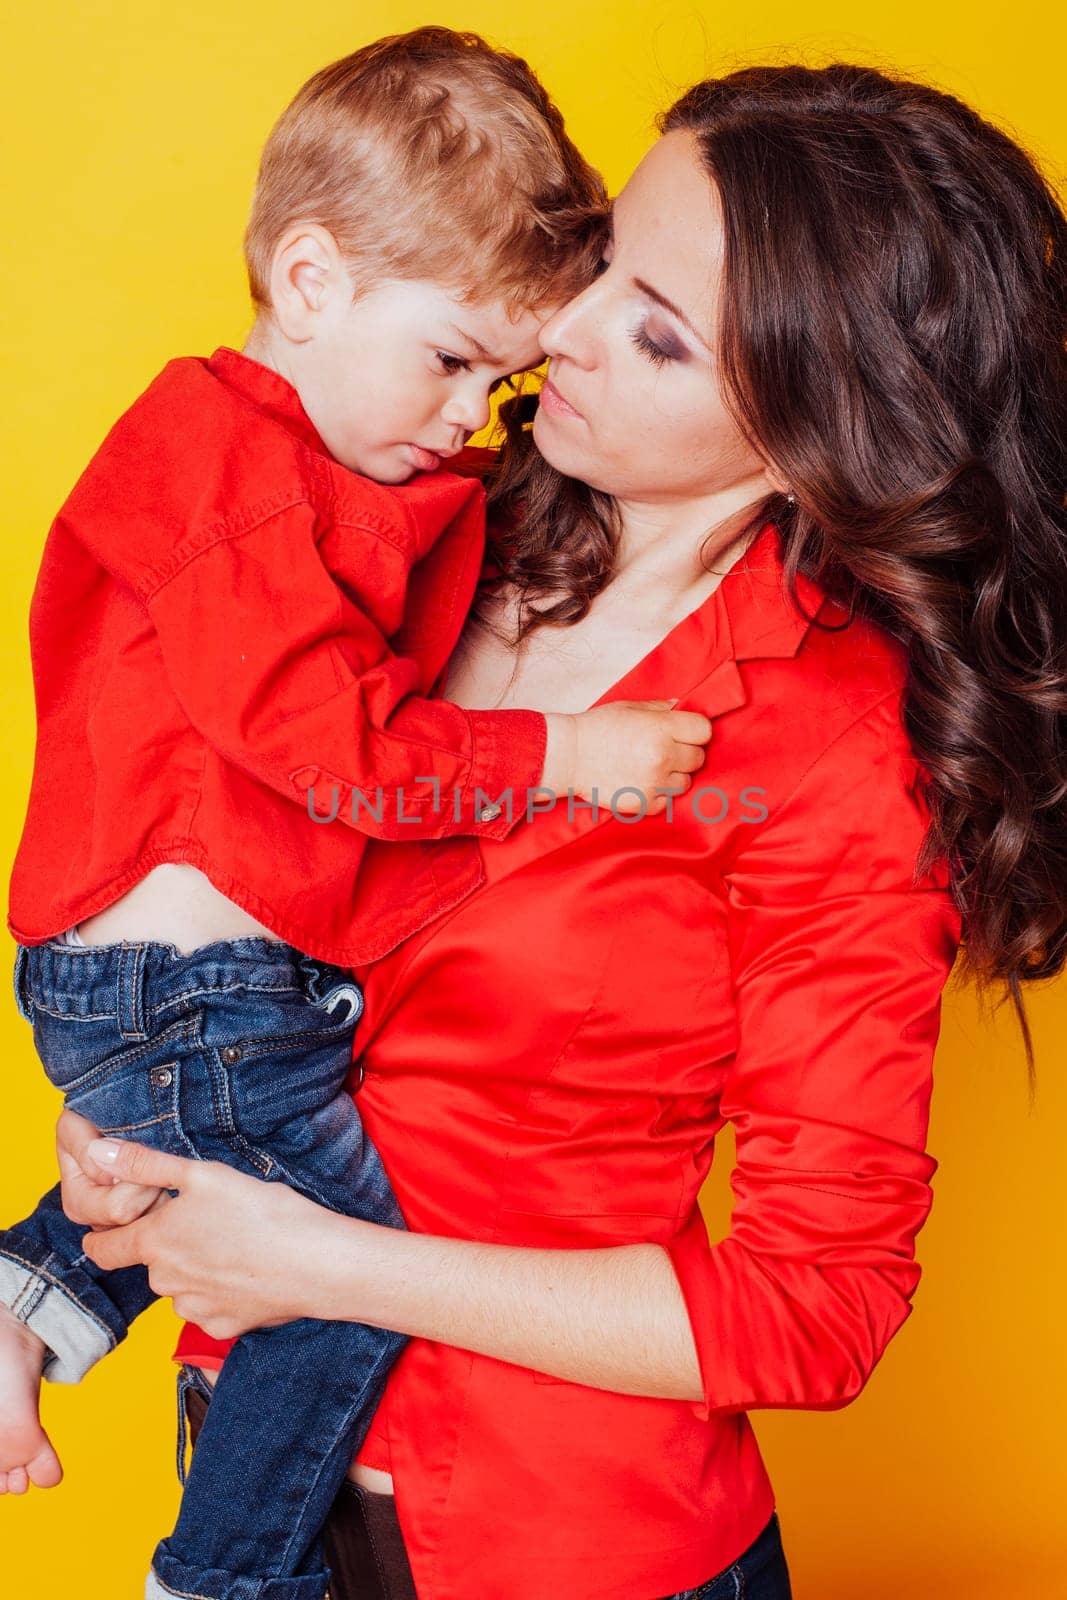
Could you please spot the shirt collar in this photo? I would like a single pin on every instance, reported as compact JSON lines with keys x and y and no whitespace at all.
{"x":763,"y":621}
{"x":267,"y":390}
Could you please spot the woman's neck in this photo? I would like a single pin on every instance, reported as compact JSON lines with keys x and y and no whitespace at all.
{"x":666,"y":548}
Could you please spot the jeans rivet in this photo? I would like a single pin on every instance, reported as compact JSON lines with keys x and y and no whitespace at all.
{"x":231,"y":1053}
{"x":162,"y":1077}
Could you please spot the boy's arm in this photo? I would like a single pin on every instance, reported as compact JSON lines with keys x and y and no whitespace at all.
{"x":251,"y":629}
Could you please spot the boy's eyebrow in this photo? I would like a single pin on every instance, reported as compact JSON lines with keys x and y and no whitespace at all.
{"x":669,"y":305}
{"x":483,"y":354}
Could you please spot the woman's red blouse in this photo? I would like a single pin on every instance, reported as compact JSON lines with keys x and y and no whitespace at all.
{"x":549,"y":1064}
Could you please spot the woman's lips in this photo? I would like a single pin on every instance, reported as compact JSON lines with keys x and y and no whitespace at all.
{"x":425,"y":460}
{"x":553,"y":401}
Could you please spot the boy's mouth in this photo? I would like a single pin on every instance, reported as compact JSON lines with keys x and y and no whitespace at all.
{"x":428,"y":460}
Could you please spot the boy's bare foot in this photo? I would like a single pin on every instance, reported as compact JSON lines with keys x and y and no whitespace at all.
{"x":26,"y":1456}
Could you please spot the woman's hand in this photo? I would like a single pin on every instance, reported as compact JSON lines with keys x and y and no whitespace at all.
{"x":235,"y":1253}
{"x":231,"y":1251}
{"x":91,"y":1195}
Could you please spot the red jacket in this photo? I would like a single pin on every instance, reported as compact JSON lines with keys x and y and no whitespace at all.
{"x":549,"y":1065}
{"x":213,"y":631}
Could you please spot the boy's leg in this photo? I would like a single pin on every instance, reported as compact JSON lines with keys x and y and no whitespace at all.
{"x":92,"y":1033}
{"x":362,"y":1540}
{"x":48,"y":1282}
{"x":292,"y":1404}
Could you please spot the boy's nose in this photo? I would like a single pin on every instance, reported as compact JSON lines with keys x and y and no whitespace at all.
{"x":467,"y":412}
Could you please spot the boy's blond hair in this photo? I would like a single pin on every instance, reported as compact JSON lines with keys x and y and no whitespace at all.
{"x":432,"y":155}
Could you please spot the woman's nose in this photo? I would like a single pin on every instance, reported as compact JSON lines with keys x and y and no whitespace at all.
{"x":570,"y":330}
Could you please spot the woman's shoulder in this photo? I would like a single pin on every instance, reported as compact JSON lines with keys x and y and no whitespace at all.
{"x":844,"y":762}
{"x":852,"y":659}
{"x":813,"y":660}
{"x":825,"y":718}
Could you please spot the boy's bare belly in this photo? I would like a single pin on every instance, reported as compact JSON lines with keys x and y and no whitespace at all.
{"x":174,"y":904}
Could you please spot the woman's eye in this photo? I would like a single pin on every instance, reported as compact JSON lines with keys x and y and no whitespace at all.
{"x":650,"y":349}
{"x":452,"y":364}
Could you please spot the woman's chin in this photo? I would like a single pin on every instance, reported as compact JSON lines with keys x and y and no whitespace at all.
{"x":561,"y":452}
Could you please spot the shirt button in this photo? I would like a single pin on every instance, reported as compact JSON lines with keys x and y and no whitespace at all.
{"x":231,"y":1053}
{"x":359,"y":1081}
{"x":162,"y":1077}
{"x":489,"y":813}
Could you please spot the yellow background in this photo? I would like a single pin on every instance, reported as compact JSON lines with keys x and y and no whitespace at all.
{"x":130,"y":148}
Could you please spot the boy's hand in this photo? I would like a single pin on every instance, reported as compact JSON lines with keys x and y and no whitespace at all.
{"x":91,"y":1194}
{"x":628,"y":744}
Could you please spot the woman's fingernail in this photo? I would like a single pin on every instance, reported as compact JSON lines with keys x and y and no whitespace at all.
{"x":104,"y":1150}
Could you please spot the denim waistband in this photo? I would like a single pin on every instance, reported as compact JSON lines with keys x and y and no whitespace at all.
{"x":122,"y":980}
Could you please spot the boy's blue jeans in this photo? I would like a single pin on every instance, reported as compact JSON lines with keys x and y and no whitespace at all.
{"x":237,"y":1052}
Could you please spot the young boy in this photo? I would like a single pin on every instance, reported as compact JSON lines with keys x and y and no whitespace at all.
{"x":253,"y":590}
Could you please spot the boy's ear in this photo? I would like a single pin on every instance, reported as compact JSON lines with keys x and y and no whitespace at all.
{"x":306,"y":271}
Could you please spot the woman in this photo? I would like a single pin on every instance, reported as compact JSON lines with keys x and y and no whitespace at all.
{"x":829,"y":329}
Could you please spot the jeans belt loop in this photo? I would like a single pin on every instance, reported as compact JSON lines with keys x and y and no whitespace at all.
{"x":130,"y":1000}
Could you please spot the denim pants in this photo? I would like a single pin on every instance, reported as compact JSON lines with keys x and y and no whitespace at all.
{"x":236,"y":1052}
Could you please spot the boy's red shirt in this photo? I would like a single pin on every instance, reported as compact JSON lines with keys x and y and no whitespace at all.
{"x":224,"y":617}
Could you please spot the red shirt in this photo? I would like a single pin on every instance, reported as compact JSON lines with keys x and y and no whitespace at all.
{"x":225,"y":616}
{"x":549,"y":1064}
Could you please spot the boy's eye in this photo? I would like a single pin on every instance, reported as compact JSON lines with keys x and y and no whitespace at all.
{"x":452,"y":364}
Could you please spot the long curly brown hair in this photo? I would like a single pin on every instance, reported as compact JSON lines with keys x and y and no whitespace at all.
{"x":893,"y":331}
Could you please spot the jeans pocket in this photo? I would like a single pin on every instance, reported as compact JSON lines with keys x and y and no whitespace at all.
{"x":283,"y":1056}
{"x":79,"y":1054}
{"x":134,"y":1093}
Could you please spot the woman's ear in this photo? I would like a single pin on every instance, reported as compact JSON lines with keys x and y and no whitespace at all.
{"x":306,"y":272}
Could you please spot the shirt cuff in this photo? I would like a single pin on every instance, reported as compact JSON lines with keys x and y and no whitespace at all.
{"x":507,"y":760}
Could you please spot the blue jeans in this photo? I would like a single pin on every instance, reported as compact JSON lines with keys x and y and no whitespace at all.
{"x":237,"y":1052}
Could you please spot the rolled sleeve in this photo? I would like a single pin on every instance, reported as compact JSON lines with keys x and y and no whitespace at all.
{"x":839,"y":960}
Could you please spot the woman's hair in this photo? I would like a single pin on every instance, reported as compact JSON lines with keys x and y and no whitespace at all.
{"x":893,"y":341}
{"x":430,"y":154}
